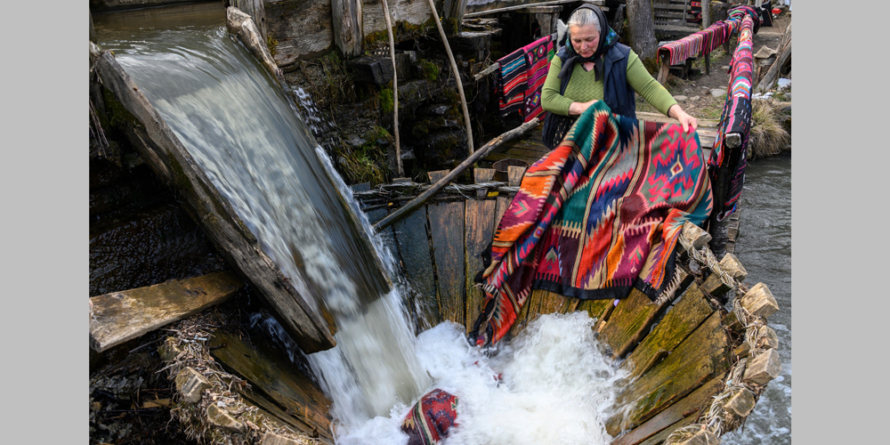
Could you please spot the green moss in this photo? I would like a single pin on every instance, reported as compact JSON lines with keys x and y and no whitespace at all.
{"x":118,"y":116}
{"x":272,"y":44}
{"x":451,"y":26}
{"x":386,"y":100}
{"x":429,"y":70}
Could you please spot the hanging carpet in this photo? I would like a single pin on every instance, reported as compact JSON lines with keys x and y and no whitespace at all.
{"x":597,"y":216}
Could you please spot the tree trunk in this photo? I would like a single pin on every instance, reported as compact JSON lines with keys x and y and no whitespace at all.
{"x":348,"y":26}
{"x":641,"y":30}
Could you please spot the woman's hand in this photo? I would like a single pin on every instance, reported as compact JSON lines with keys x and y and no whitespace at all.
{"x":578,"y":108}
{"x":685,"y":119}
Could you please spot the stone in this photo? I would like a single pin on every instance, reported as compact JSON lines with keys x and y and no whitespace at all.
{"x":694,"y":98}
{"x":680,"y":99}
{"x":378,"y":69}
{"x":725,"y":67}
{"x":718,"y":92}
{"x":219,"y":417}
{"x":191,"y":385}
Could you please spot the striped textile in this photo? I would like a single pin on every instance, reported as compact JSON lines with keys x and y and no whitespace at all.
{"x":512,"y":82}
{"x":430,"y":418}
{"x":537,"y":59}
{"x":727,"y":166}
{"x":700,"y":43}
{"x":597,"y":216}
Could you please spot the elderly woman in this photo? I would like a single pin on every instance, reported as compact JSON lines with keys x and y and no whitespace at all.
{"x":594,"y":66}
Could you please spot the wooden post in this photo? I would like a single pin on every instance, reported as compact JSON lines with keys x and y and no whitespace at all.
{"x":665,"y":69}
{"x":714,"y":286}
{"x":740,"y":403}
{"x":705,"y":22}
{"x":759,"y":301}
{"x":481,"y":153}
{"x":348,"y":26}
{"x":455,"y":9}
{"x":784,"y":54}
{"x":256,"y":11}
{"x":763,"y":368}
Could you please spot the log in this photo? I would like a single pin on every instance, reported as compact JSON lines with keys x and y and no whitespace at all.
{"x":701,"y":356}
{"x":688,"y":407}
{"x":664,"y":70}
{"x":760,"y":301}
{"x":294,"y":392}
{"x":447,"y":233}
{"x":479,"y":230}
{"x":176,"y":168}
{"x":641,"y":29}
{"x":242,"y":25}
{"x":600,"y":3}
{"x":122,"y":316}
{"x":763,"y":368}
{"x":714,"y":286}
{"x":477,"y":155}
{"x":349,"y":31}
{"x":784,"y":53}
{"x":680,"y":321}
{"x":257,"y":12}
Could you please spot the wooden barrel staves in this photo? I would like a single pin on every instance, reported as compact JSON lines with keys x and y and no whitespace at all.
{"x":693,"y":377}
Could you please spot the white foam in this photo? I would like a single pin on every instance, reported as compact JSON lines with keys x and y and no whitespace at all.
{"x":554,"y":387}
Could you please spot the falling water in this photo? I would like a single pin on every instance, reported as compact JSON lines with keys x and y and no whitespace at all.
{"x":246,"y":136}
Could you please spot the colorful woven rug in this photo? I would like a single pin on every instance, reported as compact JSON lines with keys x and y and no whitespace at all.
{"x":700,"y":43}
{"x":431,"y":418}
{"x":512,"y":82}
{"x":597,"y":216}
{"x":726,"y":167}
{"x":537,"y":59}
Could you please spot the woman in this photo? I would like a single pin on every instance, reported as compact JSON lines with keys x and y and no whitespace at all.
{"x":594,"y":66}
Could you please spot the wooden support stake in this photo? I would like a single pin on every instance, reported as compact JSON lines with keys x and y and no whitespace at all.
{"x":714,"y":286}
{"x":784,"y":53}
{"x":122,"y":316}
{"x":665,"y":69}
{"x":479,"y":154}
{"x":740,"y":403}
{"x":760,"y":301}
{"x":349,"y":27}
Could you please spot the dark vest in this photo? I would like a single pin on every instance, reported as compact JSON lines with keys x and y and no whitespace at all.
{"x":617,"y":94}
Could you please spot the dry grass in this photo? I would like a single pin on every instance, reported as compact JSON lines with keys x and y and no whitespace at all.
{"x":767,"y":137}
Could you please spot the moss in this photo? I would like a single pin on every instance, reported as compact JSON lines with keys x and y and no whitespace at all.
{"x":451,"y":26}
{"x":272,"y":44}
{"x":429,"y":70}
{"x":386,"y":100}
{"x":119,"y":117}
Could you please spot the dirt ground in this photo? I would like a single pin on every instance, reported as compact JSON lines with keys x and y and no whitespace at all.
{"x":700,"y":103}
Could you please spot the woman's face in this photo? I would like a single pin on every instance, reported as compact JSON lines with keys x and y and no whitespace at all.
{"x":585,"y":39}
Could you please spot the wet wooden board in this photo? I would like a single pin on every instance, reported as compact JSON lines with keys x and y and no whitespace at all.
{"x":597,"y":309}
{"x":661,"y":436}
{"x":446,"y":221}
{"x":118,"y":317}
{"x":630,"y":319}
{"x":542,"y":302}
{"x":416,"y":255}
{"x":514,"y":175}
{"x":690,"y":406}
{"x":702,"y":356}
{"x":291,"y":390}
{"x":680,"y":321}
{"x":273,"y":412}
{"x":479,"y":230}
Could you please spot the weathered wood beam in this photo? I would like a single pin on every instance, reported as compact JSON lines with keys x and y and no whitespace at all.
{"x":763,"y":368}
{"x":472,"y":159}
{"x":257,"y":12}
{"x":680,"y":321}
{"x":122,"y":316}
{"x":784,"y":53}
{"x":480,"y":221}
{"x":176,"y":168}
{"x":686,"y":407}
{"x":447,"y":221}
{"x":241,"y":24}
{"x":600,"y":3}
{"x":296,"y":393}
{"x":349,"y":33}
{"x":700,"y":357}
{"x":730,"y":264}
{"x":488,"y":70}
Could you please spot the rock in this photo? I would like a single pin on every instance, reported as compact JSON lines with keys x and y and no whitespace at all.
{"x":725,"y":67}
{"x":788,"y":96}
{"x":378,"y":69}
{"x":718,"y":92}
{"x":680,"y":99}
{"x":191,"y":384}
{"x":694,"y":98}
{"x":219,"y":417}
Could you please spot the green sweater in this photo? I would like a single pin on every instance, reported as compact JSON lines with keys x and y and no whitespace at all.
{"x":583,"y":87}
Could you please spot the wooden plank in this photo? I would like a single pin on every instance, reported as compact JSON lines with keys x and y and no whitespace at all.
{"x":630,"y":319}
{"x":479,"y":230}
{"x":446,"y":222}
{"x":118,"y":317}
{"x":714,"y":286}
{"x":542,"y":302}
{"x":709,"y":124}
{"x":661,"y":436}
{"x":689,"y":406}
{"x":680,"y":321}
{"x":700,"y":357}
{"x":598,"y":310}
{"x":415,"y":252}
{"x":293,"y":391}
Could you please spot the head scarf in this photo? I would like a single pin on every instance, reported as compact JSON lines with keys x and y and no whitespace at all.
{"x":608,"y":39}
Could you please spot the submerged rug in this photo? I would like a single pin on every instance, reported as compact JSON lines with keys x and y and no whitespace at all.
{"x":595,"y":217}
{"x":431,"y":418}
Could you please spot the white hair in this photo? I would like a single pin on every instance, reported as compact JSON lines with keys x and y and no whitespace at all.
{"x":584,"y":17}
